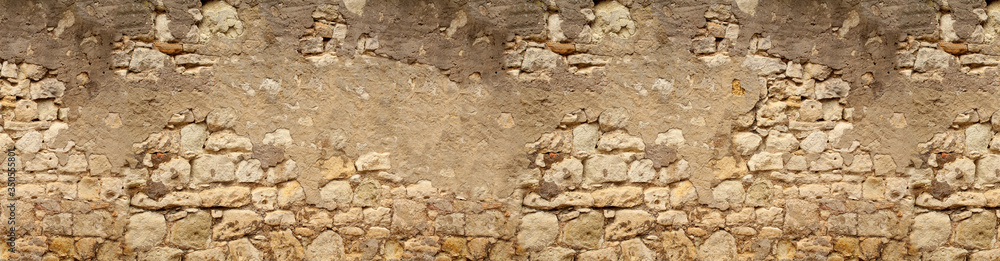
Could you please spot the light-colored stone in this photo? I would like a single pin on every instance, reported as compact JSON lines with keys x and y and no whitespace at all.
{"x":585,"y":231}
{"x":746,"y":142}
{"x":764,"y":161}
{"x":958,"y":173}
{"x":585,"y":138}
{"x":720,"y":246}
{"x":539,"y":59}
{"x":672,"y":218}
{"x":243,"y":250}
{"x":629,"y":223}
{"x":930,"y":230}
{"x":988,"y":170}
{"x":236,"y":223}
{"x":978,"y":231}
{"x":801,"y":217}
{"x":230,"y":197}
{"x":537,"y":231}
{"x":409,"y":217}
{"x":728,"y":194}
{"x":604,"y":168}
{"x":192,"y":231}
{"x":683,"y":194}
{"x":290,"y":194}
{"x":977,"y":139}
{"x":618,"y":197}
{"x":212,"y":168}
{"x":931,"y":59}
{"x":336,"y":194}
{"x":373,"y":161}
{"x":145,"y":230}
{"x":567,"y":173}
{"x":327,"y":246}
{"x":619,"y":140}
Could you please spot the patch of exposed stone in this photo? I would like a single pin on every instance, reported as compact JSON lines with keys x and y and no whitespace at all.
{"x":139,"y":57}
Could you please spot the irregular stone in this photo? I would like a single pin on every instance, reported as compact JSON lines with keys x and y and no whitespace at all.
{"x":657,"y":198}
{"x":672,"y":218}
{"x":212,"y":168}
{"x":827,"y":161}
{"x":230,"y":197}
{"x":604,"y":168}
{"x":227,"y":140}
{"x":958,"y":173}
{"x":811,"y":110}
{"x":585,"y":138}
{"x":988,"y":170}
{"x":337,"y":168}
{"x":720,"y":246}
{"x":764,"y":65}
{"x":243,"y":250}
{"x":584,"y":231}
{"x":486,"y":224}
{"x":193,"y":137}
{"x":144,"y":231}
{"x":764,"y":161}
{"x":409,"y":217}
{"x":930,"y":230}
{"x":780,"y":142}
{"x":977,"y":231}
{"x":539,"y":59}
{"x":728,"y":194}
{"x":947,"y":253}
{"x":264,"y":198}
{"x":373,"y":161}
{"x":249,"y":171}
{"x":832,"y":89}
{"x":759,"y":193}
{"x":566,"y":174}
{"x":599,"y":255}
{"x":844,"y":224}
{"x":977,"y":139}
{"x":862,"y":164}
{"x":284,"y":246}
{"x":677,"y":246}
{"x":801,"y":217}
{"x":618,"y":197}
{"x":450,"y":224}
{"x":635,"y":250}
{"x":746,"y":142}
{"x":537,"y":231}
{"x":336,"y":194}
{"x":367,"y":194}
{"x":220,"y":19}
{"x":162,"y":253}
{"x":612,"y":18}
{"x":629,"y":223}
{"x":683,"y":194}
{"x":146,"y":60}
{"x":930,"y":59}
{"x":614,"y":118}
{"x":674,"y":173}
{"x":97,"y":223}
{"x":192,"y":231}
{"x":619,"y":140}
{"x":554,"y":254}
{"x":327,"y":246}
{"x":214,"y":254}
{"x":236,"y":223}
{"x":884,"y":165}
{"x":814,"y":143}
{"x":672,"y":138}
{"x":290,"y":194}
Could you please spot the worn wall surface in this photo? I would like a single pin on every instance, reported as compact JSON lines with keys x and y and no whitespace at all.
{"x":501,"y":129}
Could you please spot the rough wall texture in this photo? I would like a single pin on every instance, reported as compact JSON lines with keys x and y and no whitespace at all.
{"x":501,"y":130}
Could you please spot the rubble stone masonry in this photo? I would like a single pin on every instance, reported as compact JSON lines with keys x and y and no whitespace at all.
{"x":249,"y":130}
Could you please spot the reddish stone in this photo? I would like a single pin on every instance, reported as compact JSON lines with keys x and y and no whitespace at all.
{"x":169,"y":48}
{"x":562,"y":48}
{"x":954,"y":48}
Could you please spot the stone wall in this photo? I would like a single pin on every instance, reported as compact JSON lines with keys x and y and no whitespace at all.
{"x":501,"y":130}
